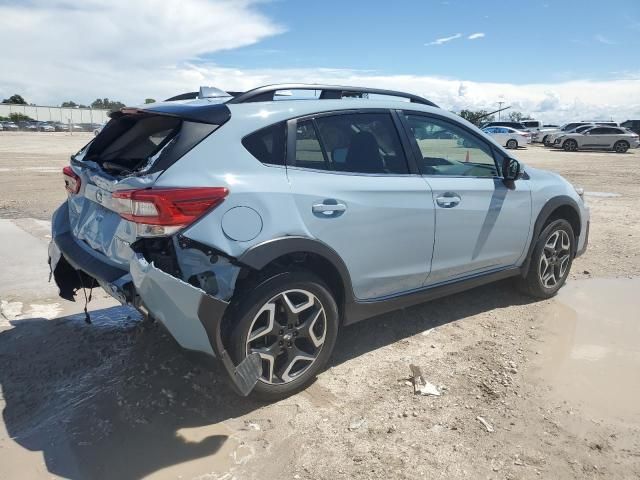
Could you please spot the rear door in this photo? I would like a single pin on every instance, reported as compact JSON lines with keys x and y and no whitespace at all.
{"x":481,"y":225}
{"x":355,"y":191}
{"x":595,"y":138}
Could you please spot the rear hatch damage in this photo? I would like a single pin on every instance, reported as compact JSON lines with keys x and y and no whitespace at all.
{"x":117,"y":231}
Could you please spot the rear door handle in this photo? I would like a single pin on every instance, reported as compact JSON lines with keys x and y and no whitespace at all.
{"x":328,"y":208}
{"x":448,"y":200}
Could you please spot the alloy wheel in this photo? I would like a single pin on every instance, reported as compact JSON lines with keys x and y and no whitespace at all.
{"x":288,"y":333}
{"x":620,"y":147}
{"x":554,"y":259}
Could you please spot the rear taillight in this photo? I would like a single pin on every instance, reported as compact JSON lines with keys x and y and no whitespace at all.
{"x":71,"y":180}
{"x":164,"y":210}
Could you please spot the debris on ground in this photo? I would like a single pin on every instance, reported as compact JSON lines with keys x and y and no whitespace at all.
{"x":357,"y":423}
{"x":486,"y":424}
{"x":420,"y":385}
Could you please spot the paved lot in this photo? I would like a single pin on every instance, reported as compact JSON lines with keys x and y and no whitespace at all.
{"x":556,"y":380}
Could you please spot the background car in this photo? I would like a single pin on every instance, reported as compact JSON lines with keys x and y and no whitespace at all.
{"x":633,"y":125}
{"x":599,"y":138}
{"x":552,"y":137}
{"x":9,"y":127}
{"x":516,"y":125}
{"x":567,"y":127}
{"x":509,"y":137}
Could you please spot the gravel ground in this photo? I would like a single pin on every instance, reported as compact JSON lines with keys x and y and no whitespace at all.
{"x":118,"y":399}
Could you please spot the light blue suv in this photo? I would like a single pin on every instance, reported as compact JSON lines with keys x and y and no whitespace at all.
{"x":253,"y":225}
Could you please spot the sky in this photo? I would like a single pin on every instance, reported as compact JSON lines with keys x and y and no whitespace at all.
{"x":556,"y":60}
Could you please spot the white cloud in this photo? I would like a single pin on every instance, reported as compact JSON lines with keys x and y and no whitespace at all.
{"x":475,"y":36}
{"x":133,"y":50}
{"x":49,"y":45}
{"x":443,"y":40}
{"x":602,"y":39}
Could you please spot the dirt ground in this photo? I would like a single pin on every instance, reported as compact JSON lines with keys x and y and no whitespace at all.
{"x":530,"y":389}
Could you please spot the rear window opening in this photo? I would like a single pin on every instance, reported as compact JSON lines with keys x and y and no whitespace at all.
{"x":128,"y":144}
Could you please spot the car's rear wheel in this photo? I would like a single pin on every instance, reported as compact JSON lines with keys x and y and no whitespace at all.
{"x":550,"y":261}
{"x":291,"y":321}
{"x":511,"y":143}
{"x":570,"y":145}
{"x":545,"y":141}
{"x":621,"y":146}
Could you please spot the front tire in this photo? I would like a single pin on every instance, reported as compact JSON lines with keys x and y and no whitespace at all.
{"x":291,"y":320}
{"x":570,"y":145}
{"x":550,"y":261}
{"x":512,"y":144}
{"x":621,"y":146}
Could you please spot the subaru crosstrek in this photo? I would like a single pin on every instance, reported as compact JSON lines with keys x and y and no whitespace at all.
{"x":254,"y":225}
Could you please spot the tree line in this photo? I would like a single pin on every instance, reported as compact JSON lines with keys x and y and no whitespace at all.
{"x":98,"y":103}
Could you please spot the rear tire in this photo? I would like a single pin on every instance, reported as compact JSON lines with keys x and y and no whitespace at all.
{"x":512,"y":144}
{"x":621,"y":146}
{"x":292,"y":320}
{"x":545,"y":141}
{"x":550,"y":260}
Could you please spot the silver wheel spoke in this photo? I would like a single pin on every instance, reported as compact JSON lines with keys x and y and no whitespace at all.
{"x":270,"y":309}
{"x":300,"y":307}
{"x":286,"y":377}
{"x":288,"y":333}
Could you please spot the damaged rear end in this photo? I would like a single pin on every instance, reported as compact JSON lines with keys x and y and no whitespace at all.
{"x":119,"y":231}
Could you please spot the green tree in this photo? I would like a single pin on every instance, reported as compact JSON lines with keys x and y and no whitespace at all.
{"x":15,"y":99}
{"x":149,"y":100}
{"x":19,"y":117}
{"x":477,"y":117}
{"x":516,"y":116}
{"x":69,"y":104}
{"x":106,"y":104}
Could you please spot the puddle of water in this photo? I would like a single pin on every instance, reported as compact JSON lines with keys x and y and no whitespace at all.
{"x":602,"y":194}
{"x":592,"y":358}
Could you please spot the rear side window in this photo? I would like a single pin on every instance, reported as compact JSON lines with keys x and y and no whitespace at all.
{"x":361,"y":143}
{"x":267,"y":144}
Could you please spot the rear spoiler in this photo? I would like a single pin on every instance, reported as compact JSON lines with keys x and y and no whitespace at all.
{"x":214,"y":113}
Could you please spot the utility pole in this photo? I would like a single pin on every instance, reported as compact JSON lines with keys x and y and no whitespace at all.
{"x":500,"y":109}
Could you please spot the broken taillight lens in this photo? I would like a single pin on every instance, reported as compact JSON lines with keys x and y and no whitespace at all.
{"x":71,"y":180}
{"x":167,"y":207}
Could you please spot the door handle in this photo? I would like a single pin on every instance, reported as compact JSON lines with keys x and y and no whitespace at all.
{"x":328,"y":208}
{"x":448,"y":200}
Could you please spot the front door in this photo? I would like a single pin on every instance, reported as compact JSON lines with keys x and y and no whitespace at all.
{"x":352,"y":188}
{"x":481,"y":224}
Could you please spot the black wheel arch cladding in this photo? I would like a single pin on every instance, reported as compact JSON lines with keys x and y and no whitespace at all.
{"x":556,"y":207}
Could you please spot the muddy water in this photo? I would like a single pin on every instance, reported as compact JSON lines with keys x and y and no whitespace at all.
{"x":591,"y":356}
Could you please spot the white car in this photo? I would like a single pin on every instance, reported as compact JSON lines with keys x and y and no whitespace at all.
{"x":509,"y":137}
{"x":99,"y":129}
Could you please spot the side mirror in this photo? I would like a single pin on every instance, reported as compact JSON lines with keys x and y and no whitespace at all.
{"x":511,"y":169}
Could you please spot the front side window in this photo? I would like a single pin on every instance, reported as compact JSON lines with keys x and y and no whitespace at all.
{"x":450,"y":150}
{"x":357,"y":143}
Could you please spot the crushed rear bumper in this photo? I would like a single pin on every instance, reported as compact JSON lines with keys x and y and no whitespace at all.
{"x":192,"y":316}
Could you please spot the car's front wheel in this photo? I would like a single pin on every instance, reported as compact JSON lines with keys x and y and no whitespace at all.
{"x":570,"y":145}
{"x":621,"y":146}
{"x":551,"y":260}
{"x":291,"y":321}
{"x":512,"y":143}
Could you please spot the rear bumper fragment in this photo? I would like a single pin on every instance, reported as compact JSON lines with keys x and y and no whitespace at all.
{"x":193,"y":317}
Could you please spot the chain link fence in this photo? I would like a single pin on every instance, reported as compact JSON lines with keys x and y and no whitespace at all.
{"x":64,"y":115}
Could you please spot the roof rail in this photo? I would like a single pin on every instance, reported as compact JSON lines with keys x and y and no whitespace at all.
{"x":267,"y":92}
